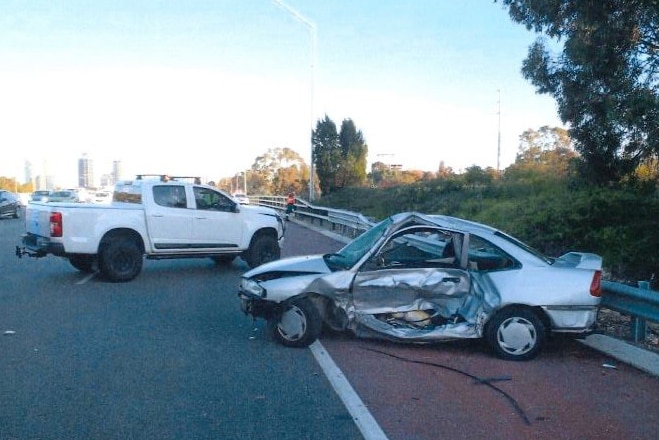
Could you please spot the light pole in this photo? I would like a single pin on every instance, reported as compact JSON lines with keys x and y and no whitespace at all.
{"x":499,"y":133}
{"x":312,"y":30}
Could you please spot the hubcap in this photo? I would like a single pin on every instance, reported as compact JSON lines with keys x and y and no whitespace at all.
{"x":517,"y":336}
{"x":292,"y":324}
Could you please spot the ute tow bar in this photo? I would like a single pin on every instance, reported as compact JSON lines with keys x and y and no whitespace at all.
{"x":20,"y":251}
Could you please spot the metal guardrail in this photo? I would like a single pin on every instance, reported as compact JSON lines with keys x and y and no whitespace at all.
{"x":640,"y":303}
{"x":347,"y":223}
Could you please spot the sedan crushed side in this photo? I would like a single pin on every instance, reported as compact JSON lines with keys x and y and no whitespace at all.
{"x":428,"y":278}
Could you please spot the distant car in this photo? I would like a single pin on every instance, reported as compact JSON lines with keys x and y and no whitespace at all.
{"x":10,"y":205}
{"x":40,"y":195}
{"x":64,"y":196}
{"x":428,"y":278}
{"x":241,"y":198}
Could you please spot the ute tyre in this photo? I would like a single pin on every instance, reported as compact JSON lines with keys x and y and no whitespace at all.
{"x":263,"y":248}
{"x":298,"y":325}
{"x":120,"y":261}
{"x":82,"y":262}
{"x":516,"y":334}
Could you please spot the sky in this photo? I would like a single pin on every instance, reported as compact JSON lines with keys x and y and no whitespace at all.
{"x":204,"y":87}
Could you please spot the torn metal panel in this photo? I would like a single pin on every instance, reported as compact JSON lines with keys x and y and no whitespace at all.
{"x":371,"y":326}
{"x":403,"y":290}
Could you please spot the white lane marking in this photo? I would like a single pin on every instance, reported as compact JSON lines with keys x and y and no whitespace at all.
{"x":360,"y":414}
{"x":87,"y":278}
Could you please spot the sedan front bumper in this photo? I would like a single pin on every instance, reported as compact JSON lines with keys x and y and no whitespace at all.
{"x":258,"y":307}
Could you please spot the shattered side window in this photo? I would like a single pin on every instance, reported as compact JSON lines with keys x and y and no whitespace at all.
{"x":417,"y":248}
{"x":486,"y":257}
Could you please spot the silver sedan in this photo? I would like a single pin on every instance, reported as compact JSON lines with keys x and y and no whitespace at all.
{"x":429,"y":278}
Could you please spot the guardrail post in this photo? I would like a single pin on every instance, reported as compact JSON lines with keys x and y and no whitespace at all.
{"x":638,"y":324}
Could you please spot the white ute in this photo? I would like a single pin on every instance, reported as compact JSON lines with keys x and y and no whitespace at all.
{"x":153,"y":216}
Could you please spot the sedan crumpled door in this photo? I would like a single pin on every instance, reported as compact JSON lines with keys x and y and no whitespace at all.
{"x":416,"y":287}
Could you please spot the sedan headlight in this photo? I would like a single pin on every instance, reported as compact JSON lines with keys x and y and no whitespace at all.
{"x":252,"y":288}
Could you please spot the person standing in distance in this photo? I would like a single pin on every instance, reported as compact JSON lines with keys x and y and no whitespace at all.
{"x":290,"y":204}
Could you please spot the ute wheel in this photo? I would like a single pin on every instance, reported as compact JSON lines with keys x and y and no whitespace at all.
{"x":263,"y":248}
{"x":516,"y":334}
{"x":82,"y":262}
{"x":298,"y":325}
{"x":120,"y":260}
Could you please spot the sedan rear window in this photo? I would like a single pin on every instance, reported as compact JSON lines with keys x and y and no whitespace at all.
{"x":525,"y":246}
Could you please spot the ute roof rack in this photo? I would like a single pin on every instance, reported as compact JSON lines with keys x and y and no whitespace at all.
{"x":167,"y":178}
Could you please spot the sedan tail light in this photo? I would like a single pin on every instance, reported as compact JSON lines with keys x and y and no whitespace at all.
{"x":596,"y":284}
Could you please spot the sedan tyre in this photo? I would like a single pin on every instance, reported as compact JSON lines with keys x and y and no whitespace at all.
{"x":516,"y":334}
{"x":298,"y":325}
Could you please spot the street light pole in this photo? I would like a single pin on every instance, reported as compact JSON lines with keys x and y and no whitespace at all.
{"x":499,"y":133}
{"x":312,"y":29}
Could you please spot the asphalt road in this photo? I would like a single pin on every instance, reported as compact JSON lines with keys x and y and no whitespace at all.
{"x":166,"y":356}
{"x":170,"y":356}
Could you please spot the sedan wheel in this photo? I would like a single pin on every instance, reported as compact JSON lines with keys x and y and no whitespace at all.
{"x":516,"y":334}
{"x":298,"y":325}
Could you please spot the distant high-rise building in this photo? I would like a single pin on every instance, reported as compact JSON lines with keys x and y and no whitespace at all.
{"x":107,"y":180}
{"x":28,"y":172}
{"x":44,"y":180}
{"x":117,"y":171}
{"x":85,"y":172}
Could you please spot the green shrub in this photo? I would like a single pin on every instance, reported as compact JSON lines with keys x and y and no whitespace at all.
{"x":619,"y":223}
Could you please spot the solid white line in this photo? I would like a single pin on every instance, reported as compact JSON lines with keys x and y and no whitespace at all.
{"x":360,"y":414}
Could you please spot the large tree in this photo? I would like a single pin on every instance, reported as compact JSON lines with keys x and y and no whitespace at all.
{"x":353,"y":153}
{"x":339,"y":157}
{"x":278,"y":171}
{"x":544,"y":154}
{"x":605,"y":78}
{"x":326,"y":154}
